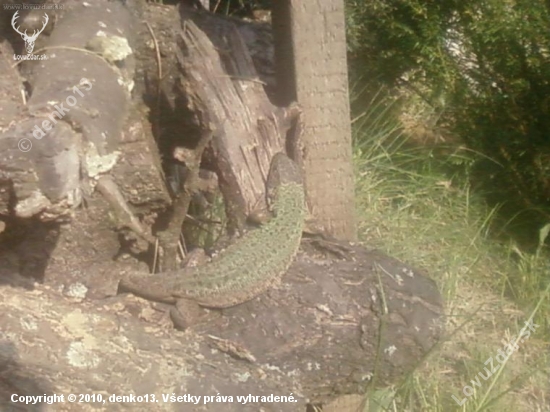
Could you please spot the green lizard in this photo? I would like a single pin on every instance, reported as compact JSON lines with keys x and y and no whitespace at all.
{"x":248,"y":267}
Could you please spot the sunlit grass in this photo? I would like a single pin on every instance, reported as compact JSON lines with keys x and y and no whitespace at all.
{"x":416,"y":203}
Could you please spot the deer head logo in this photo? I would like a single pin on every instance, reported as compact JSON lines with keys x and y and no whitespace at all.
{"x":29,"y":40}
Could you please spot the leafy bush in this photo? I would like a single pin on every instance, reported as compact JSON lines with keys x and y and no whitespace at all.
{"x":485,"y":63}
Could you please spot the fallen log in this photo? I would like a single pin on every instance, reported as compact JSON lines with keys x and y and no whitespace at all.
{"x":342,"y":317}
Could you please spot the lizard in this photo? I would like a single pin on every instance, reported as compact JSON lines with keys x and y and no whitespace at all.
{"x":249,"y":266}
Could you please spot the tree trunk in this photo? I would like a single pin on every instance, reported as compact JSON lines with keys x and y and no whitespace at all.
{"x":310,"y":50}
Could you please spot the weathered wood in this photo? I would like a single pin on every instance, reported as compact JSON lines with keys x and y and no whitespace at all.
{"x":37,"y":176}
{"x":82,"y":91}
{"x":249,"y":128}
{"x":86,"y":98}
{"x":52,"y":345}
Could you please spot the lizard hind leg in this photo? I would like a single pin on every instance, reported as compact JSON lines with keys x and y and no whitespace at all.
{"x":186,"y":313}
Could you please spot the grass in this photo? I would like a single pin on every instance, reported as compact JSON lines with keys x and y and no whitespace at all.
{"x":416,"y":203}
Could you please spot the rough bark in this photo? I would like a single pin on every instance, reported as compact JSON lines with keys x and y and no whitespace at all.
{"x":310,"y":49}
{"x":249,"y":128}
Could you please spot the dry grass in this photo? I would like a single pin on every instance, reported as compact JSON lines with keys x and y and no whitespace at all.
{"x":416,"y":204}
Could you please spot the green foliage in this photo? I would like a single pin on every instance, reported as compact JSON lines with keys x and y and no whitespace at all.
{"x":396,"y":37}
{"x":493,"y":84}
{"x":412,"y":206}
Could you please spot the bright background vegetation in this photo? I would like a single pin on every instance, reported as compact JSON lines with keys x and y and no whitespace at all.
{"x":451,"y":106}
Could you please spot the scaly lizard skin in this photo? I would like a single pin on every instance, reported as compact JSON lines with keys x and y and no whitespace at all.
{"x":248,"y":267}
